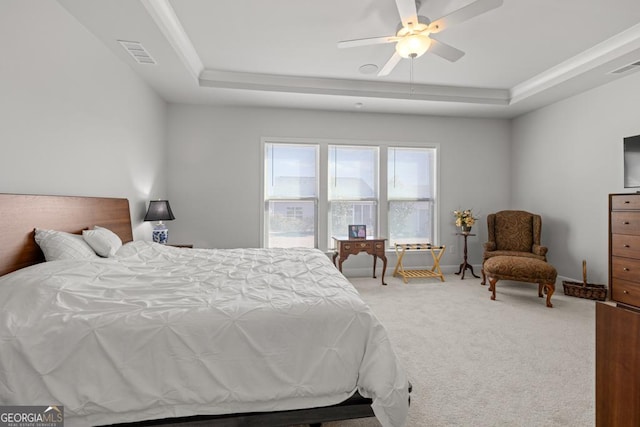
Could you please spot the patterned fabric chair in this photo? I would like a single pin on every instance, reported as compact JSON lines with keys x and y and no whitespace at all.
{"x":514,"y":234}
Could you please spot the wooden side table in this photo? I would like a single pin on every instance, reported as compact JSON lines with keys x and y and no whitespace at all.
{"x":374,"y":247}
{"x":465,"y":265}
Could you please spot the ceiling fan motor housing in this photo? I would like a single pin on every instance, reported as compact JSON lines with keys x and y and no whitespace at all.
{"x":421,"y":20}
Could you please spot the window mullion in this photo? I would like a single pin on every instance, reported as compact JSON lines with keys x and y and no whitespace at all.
{"x":383,"y":205}
{"x":324,"y":240}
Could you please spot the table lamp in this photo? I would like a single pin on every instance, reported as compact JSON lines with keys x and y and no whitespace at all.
{"x":159,"y":210}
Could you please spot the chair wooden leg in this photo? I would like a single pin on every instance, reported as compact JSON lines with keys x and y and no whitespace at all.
{"x":492,"y":287}
{"x":549,"y":288}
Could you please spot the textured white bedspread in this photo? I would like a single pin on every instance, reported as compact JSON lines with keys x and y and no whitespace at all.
{"x":163,"y":332}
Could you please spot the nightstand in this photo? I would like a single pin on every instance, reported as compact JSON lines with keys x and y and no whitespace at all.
{"x":181,"y":246}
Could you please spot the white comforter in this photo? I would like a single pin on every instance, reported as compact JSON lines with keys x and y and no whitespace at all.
{"x":163,"y":332}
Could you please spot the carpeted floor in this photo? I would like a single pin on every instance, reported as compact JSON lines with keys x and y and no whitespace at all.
{"x":477,"y":362}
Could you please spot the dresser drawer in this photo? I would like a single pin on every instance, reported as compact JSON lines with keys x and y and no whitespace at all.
{"x":356,"y":246}
{"x":625,"y":222}
{"x":625,"y":202}
{"x":625,"y":245}
{"x":625,"y":292}
{"x":625,"y":269}
{"x":363,"y":245}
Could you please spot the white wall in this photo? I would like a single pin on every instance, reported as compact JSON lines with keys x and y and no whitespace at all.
{"x":567,"y":158}
{"x":75,"y":119}
{"x":214,"y":167}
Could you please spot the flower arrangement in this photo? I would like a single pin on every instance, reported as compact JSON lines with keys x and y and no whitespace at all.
{"x":464,"y":218}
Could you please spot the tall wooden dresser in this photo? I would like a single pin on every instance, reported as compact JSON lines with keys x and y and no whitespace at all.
{"x":618,"y":324}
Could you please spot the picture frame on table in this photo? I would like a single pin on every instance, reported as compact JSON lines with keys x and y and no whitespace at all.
{"x":358,"y":231}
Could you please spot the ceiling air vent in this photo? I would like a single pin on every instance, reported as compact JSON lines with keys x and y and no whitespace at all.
{"x":138,"y":52}
{"x":624,"y":69}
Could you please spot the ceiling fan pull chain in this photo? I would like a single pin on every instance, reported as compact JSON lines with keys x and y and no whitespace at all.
{"x":411,"y":77}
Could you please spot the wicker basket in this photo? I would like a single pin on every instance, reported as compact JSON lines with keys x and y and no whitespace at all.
{"x":584,"y":289}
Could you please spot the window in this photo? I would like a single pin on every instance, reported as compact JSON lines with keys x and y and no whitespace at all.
{"x":291,"y":195}
{"x":410,"y":193}
{"x":352,"y":189}
{"x":313,"y":190}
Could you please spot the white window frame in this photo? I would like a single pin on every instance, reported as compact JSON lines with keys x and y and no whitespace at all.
{"x":265,"y":200}
{"x":324,"y":242}
{"x":376,"y":190}
{"x":433,"y":199}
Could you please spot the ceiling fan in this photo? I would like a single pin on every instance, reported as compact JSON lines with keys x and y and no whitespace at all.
{"x":413,"y":37}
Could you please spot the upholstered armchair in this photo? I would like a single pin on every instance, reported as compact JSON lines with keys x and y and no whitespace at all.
{"x":514,"y":233}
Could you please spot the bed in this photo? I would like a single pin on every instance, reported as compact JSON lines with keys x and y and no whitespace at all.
{"x":168,"y":335}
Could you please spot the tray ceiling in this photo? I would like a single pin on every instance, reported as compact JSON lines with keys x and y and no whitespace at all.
{"x":283,"y":53}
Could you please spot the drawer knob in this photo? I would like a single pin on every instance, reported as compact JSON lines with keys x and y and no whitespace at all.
{"x":625,"y":269}
{"x":625,"y":292}
{"x":626,"y":223}
{"x":627,"y":202}
{"x":626,"y":246}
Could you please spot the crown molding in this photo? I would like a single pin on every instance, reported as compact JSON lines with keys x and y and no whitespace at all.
{"x":167,"y":20}
{"x":358,"y":88}
{"x":598,"y":55}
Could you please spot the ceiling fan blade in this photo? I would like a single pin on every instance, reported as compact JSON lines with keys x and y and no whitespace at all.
{"x":367,"y":41}
{"x":390,"y":65}
{"x":463,"y":14}
{"x":445,"y":51}
{"x":408,"y":12}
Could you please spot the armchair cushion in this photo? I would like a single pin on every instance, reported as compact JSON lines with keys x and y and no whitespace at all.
{"x":491,"y":254}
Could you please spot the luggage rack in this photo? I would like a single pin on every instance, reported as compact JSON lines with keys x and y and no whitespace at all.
{"x":434,"y":272}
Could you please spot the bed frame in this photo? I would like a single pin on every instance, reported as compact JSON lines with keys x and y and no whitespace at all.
{"x":354,"y":407}
{"x":20,"y":214}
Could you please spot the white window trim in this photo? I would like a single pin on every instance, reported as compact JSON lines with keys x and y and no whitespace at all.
{"x":323,"y":165}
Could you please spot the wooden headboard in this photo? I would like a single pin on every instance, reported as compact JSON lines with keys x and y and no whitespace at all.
{"x":20,"y":214}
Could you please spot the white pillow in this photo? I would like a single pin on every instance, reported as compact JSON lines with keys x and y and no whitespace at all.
{"x":60,"y":245}
{"x":104,"y":241}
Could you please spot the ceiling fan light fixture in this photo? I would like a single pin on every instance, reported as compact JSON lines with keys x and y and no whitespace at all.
{"x":413,"y":46}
